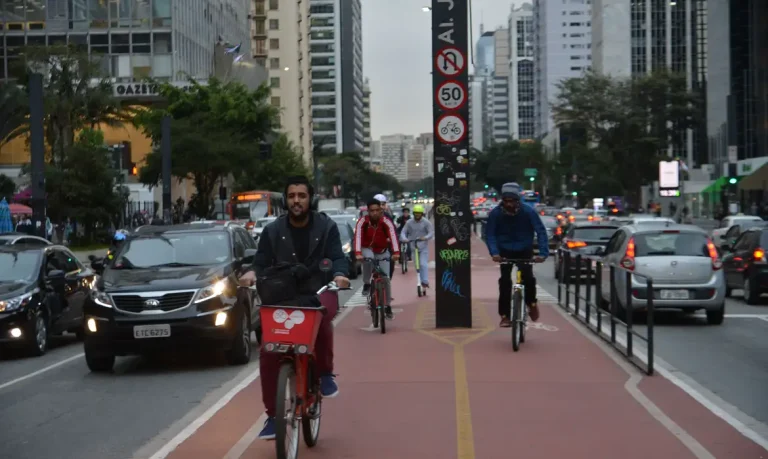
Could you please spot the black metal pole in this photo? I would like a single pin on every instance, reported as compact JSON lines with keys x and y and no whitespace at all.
{"x":629,"y":313}
{"x":165,"y":148}
{"x":37,"y":152}
{"x":649,"y":319}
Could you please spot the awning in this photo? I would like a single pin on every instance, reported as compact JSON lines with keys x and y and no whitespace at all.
{"x":757,"y":180}
{"x":716,"y":186}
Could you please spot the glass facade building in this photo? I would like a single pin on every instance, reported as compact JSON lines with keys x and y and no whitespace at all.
{"x":131,"y":39}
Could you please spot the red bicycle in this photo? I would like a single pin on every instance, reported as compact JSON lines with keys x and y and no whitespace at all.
{"x":291,"y":331}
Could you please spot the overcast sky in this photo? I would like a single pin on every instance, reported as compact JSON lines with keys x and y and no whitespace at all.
{"x":396,"y":59}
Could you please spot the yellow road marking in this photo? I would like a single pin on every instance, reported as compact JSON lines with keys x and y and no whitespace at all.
{"x":425,"y":325}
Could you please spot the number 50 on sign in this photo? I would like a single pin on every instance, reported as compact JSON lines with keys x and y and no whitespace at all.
{"x":451,"y":95}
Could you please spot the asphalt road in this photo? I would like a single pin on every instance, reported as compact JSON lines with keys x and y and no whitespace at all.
{"x":52,"y":406}
{"x":729,"y":360}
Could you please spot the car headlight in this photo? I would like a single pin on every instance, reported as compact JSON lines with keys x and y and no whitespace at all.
{"x":101,"y":298}
{"x":13,"y":304}
{"x":214,"y":290}
{"x":347,"y":247}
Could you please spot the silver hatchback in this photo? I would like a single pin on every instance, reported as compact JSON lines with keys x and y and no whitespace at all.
{"x":682,"y":261}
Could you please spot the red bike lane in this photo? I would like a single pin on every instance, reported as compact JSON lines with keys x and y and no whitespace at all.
{"x":463,"y":393}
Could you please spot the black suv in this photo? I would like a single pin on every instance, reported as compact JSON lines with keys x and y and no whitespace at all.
{"x":586,"y":238}
{"x":42,"y":291}
{"x":173,"y":287}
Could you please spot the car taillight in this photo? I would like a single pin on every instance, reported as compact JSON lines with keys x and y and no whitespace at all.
{"x":571,"y":218}
{"x":474,"y":212}
{"x":590,"y":217}
{"x":759,"y":255}
{"x":629,"y":256}
{"x":559,"y":216}
{"x":716,"y":263}
{"x":559,"y":231}
{"x":576,"y":244}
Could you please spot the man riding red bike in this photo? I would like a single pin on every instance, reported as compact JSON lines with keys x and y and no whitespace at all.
{"x":375,"y":237}
{"x":301,"y":240}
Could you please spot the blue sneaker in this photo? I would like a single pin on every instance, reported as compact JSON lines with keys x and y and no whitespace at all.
{"x":268,"y":431}
{"x":328,"y":386}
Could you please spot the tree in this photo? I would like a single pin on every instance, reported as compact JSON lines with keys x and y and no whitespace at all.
{"x":355,"y":177}
{"x":216,"y":130}
{"x":506,"y":162}
{"x":270,"y":174}
{"x":629,"y":125}
{"x":7,"y":187}
{"x":85,"y":187}
{"x":76,"y":96}
{"x":14,"y":109}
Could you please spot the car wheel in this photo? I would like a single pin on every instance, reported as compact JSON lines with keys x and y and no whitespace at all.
{"x":98,"y":360}
{"x":240,"y":352}
{"x":39,"y":334}
{"x":751,"y":294}
{"x":728,"y":291}
{"x":716,"y":316}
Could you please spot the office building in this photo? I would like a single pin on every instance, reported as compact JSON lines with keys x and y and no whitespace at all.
{"x":376,"y":159}
{"x":737,"y":84}
{"x":280,"y":42}
{"x":500,"y":130}
{"x":367,"y":120}
{"x":521,"y":73}
{"x":481,"y":91}
{"x":394,"y":157}
{"x":427,"y":140}
{"x":562,"y":47}
{"x":167,"y":40}
{"x":476,"y":112}
{"x":637,"y":37}
{"x":336,"y":49}
{"x":415,"y":167}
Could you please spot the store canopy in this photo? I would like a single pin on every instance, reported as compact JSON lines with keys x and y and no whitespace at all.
{"x":757,"y":180}
{"x":716,"y":186}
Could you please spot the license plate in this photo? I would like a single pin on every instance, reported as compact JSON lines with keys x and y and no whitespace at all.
{"x":151,"y":331}
{"x":674,"y":294}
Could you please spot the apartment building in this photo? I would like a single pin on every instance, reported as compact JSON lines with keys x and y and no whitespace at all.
{"x":521,"y":73}
{"x":562,"y":48}
{"x":367,"y":120}
{"x":415,"y":168}
{"x":280,"y":42}
{"x":394,"y":155}
{"x":336,"y":48}
{"x":500,"y":128}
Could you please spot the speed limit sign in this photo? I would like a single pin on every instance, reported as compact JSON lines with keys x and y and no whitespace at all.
{"x":451,"y":95}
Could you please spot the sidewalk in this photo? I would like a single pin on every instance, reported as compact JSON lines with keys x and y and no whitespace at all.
{"x":420,"y":392}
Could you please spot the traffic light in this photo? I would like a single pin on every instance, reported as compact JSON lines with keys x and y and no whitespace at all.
{"x":421,"y":191}
{"x":732,"y":180}
{"x":575,"y":193}
{"x":486,"y":186}
{"x":732,"y":174}
{"x":533,"y":179}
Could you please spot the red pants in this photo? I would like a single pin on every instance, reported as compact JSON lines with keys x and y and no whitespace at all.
{"x":269,"y":363}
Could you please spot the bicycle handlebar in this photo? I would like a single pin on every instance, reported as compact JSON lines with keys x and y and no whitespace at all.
{"x":331,"y":287}
{"x":510,"y":261}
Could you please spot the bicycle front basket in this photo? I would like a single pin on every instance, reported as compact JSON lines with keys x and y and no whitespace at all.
{"x":287,"y":328}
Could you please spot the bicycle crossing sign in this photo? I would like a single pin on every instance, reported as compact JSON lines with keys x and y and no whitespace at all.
{"x":451,"y":95}
{"x":450,"y":61}
{"x":451,"y":129}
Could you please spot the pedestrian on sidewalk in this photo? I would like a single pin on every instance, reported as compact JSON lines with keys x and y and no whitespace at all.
{"x":299,"y":241}
{"x":420,"y":230}
{"x":509,"y":234}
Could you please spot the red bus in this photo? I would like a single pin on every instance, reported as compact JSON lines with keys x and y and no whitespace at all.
{"x":250,"y":206}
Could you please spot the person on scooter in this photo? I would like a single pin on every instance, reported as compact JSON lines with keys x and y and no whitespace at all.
{"x":401,"y":221}
{"x":419,"y":230}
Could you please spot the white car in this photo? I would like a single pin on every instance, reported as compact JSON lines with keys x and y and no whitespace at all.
{"x":718,"y":235}
{"x":259,"y":226}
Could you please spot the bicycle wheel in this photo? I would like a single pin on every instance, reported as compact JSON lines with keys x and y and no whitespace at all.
{"x":373,"y":304}
{"x":517,"y":303}
{"x":286,"y":423}
{"x":310,"y":422}
{"x":383,"y":300}
{"x":403,"y":264}
{"x":523,"y":322}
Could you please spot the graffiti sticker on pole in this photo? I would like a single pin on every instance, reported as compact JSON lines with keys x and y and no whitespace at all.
{"x":450,"y":61}
{"x":451,"y":129}
{"x":451,"y":95}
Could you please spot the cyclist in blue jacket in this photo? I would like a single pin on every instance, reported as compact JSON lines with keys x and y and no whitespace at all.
{"x":510,"y":230}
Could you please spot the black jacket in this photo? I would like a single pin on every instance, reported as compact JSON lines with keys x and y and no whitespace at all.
{"x":276,"y":246}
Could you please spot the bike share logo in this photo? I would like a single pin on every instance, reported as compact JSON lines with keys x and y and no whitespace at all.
{"x":288,"y":321}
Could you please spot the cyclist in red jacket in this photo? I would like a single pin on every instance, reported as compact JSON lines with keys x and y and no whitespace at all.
{"x":375,"y":237}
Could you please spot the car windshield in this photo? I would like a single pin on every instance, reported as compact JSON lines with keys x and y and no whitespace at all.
{"x":261,"y":223}
{"x":680,"y":243}
{"x":597,"y":233}
{"x":175,"y":249}
{"x":344,"y":231}
{"x":19,"y":265}
{"x":251,"y":210}
{"x":331,"y":211}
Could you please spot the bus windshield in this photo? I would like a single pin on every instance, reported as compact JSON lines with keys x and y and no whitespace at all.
{"x":251,"y":210}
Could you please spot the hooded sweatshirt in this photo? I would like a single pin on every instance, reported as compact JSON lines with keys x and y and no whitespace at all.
{"x":514,"y":233}
{"x":415,"y":229}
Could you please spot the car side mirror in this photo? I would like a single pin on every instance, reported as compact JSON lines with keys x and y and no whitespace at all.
{"x":56,"y":277}
{"x":249,"y":256}
{"x":725,"y":247}
{"x":600,"y":251}
{"x":97,"y":266}
{"x":722,"y":237}
{"x":91,"y":258}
